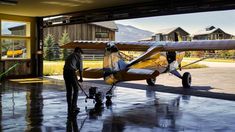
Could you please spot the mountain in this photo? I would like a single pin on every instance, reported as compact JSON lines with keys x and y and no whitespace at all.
{"x":130,"y":33}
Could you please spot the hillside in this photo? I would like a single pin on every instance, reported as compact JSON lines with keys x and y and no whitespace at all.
{"x":131,"y":33}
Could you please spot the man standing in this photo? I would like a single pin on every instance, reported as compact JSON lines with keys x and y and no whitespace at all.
{"x":73,"y":63}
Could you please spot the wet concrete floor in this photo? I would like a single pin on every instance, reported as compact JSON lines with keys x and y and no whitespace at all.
{"x":41,"y":107}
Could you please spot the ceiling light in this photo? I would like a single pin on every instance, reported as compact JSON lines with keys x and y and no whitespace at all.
{"x":8,"y":2}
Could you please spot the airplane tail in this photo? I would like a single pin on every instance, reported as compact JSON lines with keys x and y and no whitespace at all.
{"x":112,"y":64}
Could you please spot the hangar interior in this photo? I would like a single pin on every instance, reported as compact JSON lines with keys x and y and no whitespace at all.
{"x":39,"y":104}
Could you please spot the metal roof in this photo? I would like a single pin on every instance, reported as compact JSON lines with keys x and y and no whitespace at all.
{"x":169,"y":30}
{"x":206,"y":31}
{"x":166,"y":30}
{"x":107,"y":24}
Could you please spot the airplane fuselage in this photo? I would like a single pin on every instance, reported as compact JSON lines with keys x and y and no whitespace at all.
{"x":151,"y":67}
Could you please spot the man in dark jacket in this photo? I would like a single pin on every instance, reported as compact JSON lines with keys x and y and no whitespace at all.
{"x":73,"y":63}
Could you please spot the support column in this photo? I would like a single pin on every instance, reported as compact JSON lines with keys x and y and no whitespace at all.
{"x":39,"y":48}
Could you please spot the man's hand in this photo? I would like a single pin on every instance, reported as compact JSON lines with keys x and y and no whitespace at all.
{"x":80,"y":80}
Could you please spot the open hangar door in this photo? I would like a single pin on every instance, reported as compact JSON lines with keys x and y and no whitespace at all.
{"x":137,"y":11}
{"x":145,"y":9}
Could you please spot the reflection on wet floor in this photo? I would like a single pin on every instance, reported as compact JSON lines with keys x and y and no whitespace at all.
{"x":42,"y":107}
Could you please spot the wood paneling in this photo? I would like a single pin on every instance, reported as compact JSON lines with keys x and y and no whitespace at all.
{"x":79,"y":32}
{"x":24,"y":67}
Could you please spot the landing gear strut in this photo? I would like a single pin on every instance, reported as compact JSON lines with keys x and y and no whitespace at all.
{"x":151,"y":81}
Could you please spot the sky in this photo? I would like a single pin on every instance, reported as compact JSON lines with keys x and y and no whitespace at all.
{"x":189,"y":22}
{"x":8,"y":24}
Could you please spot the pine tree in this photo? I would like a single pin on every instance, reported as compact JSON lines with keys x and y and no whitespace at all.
{"x":48,"y":44}
{"x":63,"y":40}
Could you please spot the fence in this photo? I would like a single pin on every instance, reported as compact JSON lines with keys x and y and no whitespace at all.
{"x":92,"y":57}
{"x":218,"y":56}
{"x":101,"y":56}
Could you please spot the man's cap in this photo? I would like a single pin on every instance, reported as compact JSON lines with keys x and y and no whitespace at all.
{"x":77,"y":49}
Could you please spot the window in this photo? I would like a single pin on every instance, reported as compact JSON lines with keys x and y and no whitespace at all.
{"x":15,"y":40}
{"x":102,"y":35}
{"x":14,"y":48}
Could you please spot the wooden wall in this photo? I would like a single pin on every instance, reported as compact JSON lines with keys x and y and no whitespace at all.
{"x":79,"y":32}
{"x":23,"y":69}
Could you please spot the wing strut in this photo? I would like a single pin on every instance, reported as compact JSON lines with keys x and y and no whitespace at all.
{"x":151,"y":51}
{"x":194,"y":62}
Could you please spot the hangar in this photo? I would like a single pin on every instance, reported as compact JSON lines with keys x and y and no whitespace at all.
{"x":32,"y":13}
{"x":27,"y":107}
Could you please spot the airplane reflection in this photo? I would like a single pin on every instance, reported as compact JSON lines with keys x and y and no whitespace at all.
{"x":160,"y":115}
{"x":95,"y":112}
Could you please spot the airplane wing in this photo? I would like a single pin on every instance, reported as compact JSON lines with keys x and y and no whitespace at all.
{"x":151,"y":47}
{"x":165,"y":46}
{"x":200,"y":45}
{"x":100,"y":45}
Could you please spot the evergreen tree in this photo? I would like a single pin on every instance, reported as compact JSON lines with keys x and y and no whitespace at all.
{"x":48,"y":44}
{"x":63,"y":40}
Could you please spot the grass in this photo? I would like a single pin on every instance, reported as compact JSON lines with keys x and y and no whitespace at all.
{"x":53,"y":68}
{"x":211,"y":59}
{"x":193,"y":66}
{"x":56,"y":67}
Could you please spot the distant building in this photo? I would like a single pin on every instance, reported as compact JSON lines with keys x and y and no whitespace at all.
{"x":96,"y":31}
{"x":18,"y":30}
{"x":211,"y":33}
{"x":168,"y":34}
{"x":100,"y":31}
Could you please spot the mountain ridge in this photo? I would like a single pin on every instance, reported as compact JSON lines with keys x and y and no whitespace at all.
{"x":131,"y":33}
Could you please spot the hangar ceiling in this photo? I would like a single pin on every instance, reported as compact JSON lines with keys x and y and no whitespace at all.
{"x":80,"y":11}
{"x":55,"y":7}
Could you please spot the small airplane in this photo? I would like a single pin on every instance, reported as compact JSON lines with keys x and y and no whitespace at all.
{"x":159,"y":57}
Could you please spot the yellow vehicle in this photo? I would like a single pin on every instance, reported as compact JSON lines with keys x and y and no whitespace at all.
{"x":14,"y":53}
